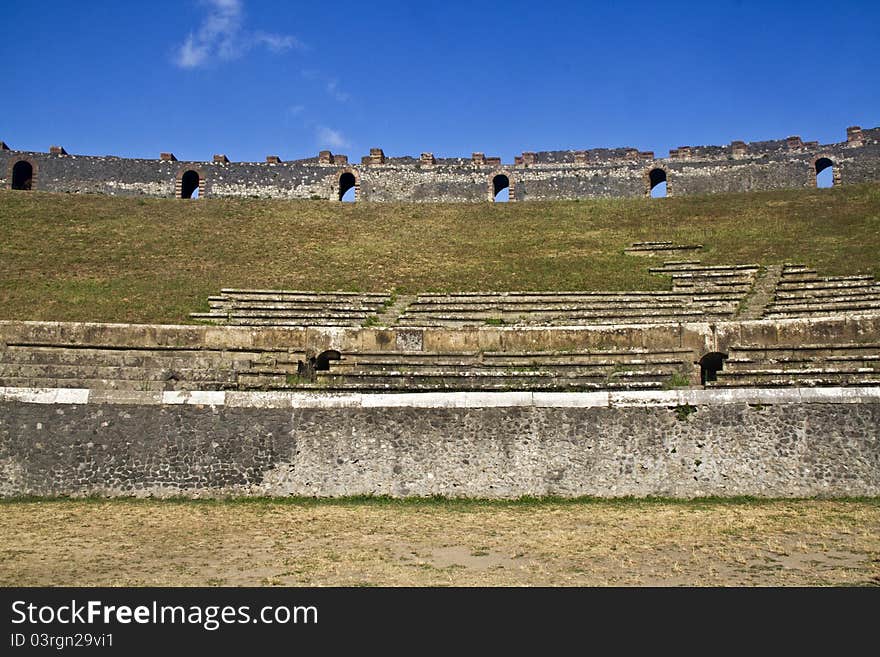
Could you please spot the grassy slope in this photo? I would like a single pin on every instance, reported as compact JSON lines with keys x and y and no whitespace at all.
{"x":66,"y":257}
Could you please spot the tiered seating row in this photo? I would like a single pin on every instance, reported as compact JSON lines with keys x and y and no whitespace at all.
{"x":567,"y":308}
{"x":658,"y":248}
{"x":806,"y":365}
{"x":801,"y":292}
{"x":691,"y":276}
{"x":120,"y":368}
{"x":292,"y":308}
{"x":486,"y":371}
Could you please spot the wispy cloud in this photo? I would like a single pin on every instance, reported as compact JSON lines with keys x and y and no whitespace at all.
{"x":331,"y":138}
{"x":331,"y":85}
{"x":296,"y":110}
{"x":221,"y":36}
{"x":337,"y":93}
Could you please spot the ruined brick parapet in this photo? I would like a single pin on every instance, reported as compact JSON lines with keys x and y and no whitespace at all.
{"x":740,"y":166}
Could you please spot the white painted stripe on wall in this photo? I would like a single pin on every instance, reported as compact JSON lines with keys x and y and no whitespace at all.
{"x":200,"y":397}
{"x":45,"y":395}
{"x":293,"y":399}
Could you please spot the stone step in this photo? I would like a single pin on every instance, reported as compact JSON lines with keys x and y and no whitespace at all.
{"x":789,"y":378}
{"x":814,"y":351}
{"x":611,"y":320}
{"x":835,"y":293}
{"x":825,"y":284}
{"x":824,"y":302}
{"x":499,"y":373}
{"x":53,"y":371}
{"x":854,"y":366}
{"x":562,"y":297}
{"x":720,"y":275}
{"x":296,"y":307}
{"x":128,"y":358}
{"x":293,"y":323}
{"x":694,"y":266}
{"x":506,"y":361}
{"x":867,"y":308}
{"x":238,"y":293}
{"x":588,"y":306}
{"x":697,"y":286}
{"x":580,"y":314}
{"x":601,"y":353}
{"x":404,"y":384}
{"x":292,"y":314}
{"x":115,"y":384}
{"x":606,"y":370}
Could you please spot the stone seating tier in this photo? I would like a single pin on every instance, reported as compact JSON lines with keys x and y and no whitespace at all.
{"x":807,"y":365}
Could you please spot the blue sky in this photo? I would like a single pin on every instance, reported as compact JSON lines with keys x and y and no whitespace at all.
{"x":250,"y":78}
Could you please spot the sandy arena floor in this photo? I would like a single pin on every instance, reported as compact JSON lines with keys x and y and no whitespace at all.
{"x":375,"y":543}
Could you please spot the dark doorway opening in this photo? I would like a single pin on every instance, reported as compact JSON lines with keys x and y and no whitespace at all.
{"x":824,"y":173}
{"x":189,"y":185}
{"x":347,"y":187}
{"x":322,"y":360}
{"x":657,"y":183}
{"x":710,"y":365}
{"x":500,"y":188}
{"x":23,"y":176}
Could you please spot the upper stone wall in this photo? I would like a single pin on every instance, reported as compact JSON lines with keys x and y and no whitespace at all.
{"x":544,"y":175}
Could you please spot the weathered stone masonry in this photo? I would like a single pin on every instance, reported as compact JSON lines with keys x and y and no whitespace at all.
{"x":546,"y":175}
{"x":681,"y":444}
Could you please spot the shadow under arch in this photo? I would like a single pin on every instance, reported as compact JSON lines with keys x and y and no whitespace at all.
{"x":710,"y":365}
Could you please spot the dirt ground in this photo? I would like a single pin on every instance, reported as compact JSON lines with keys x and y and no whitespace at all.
{"x":440,"y":543}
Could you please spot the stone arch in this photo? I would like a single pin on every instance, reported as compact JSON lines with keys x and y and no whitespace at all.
{"x":22,"y":175}
{"x":710,"y":365}
{"x":347,"y":179}
{"x":653,"y":177}
{"x":322,"y":360}
{"x":188,"y":182}
{"x":498,"y":180}
{"x":822,"y":162}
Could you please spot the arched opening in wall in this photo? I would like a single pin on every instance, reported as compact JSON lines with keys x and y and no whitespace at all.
{"x":710,"y":365}
{"x":824,"y":173}
{"x":23,"y":175}
{"x":322,"y":360}
{"x":189,"y":185}
{"x":657,"y":183}
{"x":500,"y":188}
{"x":347,"y":187}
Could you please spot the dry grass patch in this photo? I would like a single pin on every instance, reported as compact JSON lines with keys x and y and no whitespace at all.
{"x":354,"y":543}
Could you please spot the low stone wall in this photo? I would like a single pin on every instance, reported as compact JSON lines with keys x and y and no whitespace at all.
{"x":701,"y":337}
{"x":685,"y":443}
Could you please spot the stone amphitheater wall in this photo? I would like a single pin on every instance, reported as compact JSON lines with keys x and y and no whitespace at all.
{"x":533,"y":176}
{"x":690,"y":443}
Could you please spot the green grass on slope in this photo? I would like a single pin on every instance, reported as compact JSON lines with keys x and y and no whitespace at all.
{"x":70,"y":257}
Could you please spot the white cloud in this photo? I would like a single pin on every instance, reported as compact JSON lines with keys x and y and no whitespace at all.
{"x":296,"y":110}
{"x":331,"y":138}
{"x":221,"y":36}
{"x":278,"y":42}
